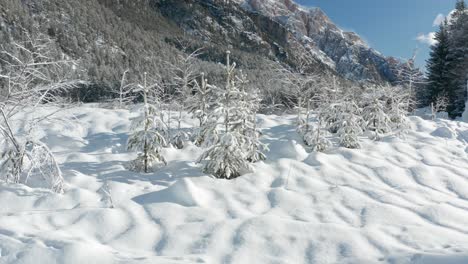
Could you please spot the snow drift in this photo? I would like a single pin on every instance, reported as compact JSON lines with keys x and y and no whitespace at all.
{"x":398,"y":200}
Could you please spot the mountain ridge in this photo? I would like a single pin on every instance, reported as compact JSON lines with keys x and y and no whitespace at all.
{"x":110,"y":36}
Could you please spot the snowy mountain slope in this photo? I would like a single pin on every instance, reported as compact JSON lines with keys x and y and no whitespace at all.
{"x":109,"y":36}
{"x":345,"y":52}
{"x":394,"y":201}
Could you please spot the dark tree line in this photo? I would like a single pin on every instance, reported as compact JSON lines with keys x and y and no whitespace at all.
{"x":448,"y":63}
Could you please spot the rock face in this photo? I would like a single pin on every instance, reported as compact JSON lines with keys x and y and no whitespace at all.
{"x":275,"y":28}
{"x":345,"y":52}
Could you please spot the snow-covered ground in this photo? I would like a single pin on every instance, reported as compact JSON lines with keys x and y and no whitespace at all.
{"x":393,"y":201}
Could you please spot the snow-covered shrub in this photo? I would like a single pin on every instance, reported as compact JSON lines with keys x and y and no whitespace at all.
{"x":32,"y":159}
{"x":331,"y":116}
{"x":226,"y":160}
{"x":34,"y":74}
{"x":43,"y":163}
{"x":316,"y":138}
{"x":180,"y":139}
{"x":440,"y":105}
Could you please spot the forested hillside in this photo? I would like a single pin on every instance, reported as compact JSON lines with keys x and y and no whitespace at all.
{"x":107,"y":37}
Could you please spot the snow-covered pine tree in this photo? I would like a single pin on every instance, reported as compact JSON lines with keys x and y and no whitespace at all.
{"x":331,"y":115}
{"x":185,"y":74}
{"x":375,"y":116}
{"x":125,"y":92}
{"x":199,"y":104}
{"x":397,"y":107}
{"x":350,"y":125}
{"x":298,"y":84}
{"x":181,"y":137}
{"x":331,"y":107}
{"x":254,"y":147}
{"x":411,"y":77}
{"x":245,"y":118}
{"x":439,"y":105}
{"x":316,"y":137}
{"x":437,"y":65}
{"x":457,"y":62}
{"x":226,"y":158}
{"x":146,"y":138}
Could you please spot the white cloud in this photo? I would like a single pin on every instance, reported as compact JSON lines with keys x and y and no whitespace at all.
{"x":438,"y":20}
{"x":428,"y":39}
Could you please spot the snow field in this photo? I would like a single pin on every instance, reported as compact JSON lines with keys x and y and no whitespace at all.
{"x":399,"y":200}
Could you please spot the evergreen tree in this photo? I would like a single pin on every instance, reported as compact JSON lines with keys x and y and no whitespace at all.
{"x":350,"y":128}
{"x":412,"y":79}
{"x":185,"y":74}
{"x":226,"y":158}
{"x":247,"y":107}
{"x":397,"y":107}
{"x":181,"y":137}
{"x":146,"y":138}
{"x":437,"y":66}
{"x":316,"y":138}
{"x":458,"y":59}
{"x":375,"y":116}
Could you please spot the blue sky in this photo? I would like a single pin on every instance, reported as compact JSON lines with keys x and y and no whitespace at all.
{"x":389,"y":26}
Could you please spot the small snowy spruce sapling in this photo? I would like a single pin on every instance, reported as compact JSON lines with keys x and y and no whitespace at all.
{"x":184,"y":78}
{"x":211,"y":128}
{"x":181,"y":137}
{"x":245,"y":112}
{"x":316,"y":138}
{"x":350,"y":128}
{"x":146,"y":139}
{"x":226,"y":158}
{"x":397,"y":108}
{"x":440,"y":105}
{"x":125,"y":92}
{"x":375,"y":116}
{"x":254,"y":147}
{"x":298,"y":85}
{"x":198,"y":105}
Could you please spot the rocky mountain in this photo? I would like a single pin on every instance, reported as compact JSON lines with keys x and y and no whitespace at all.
{"x":109,"y":36}
{"x":345,"y":52}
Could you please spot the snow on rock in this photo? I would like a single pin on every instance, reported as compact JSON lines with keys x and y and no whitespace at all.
{"x":399,"y":200}
{"x":444,"y":132}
